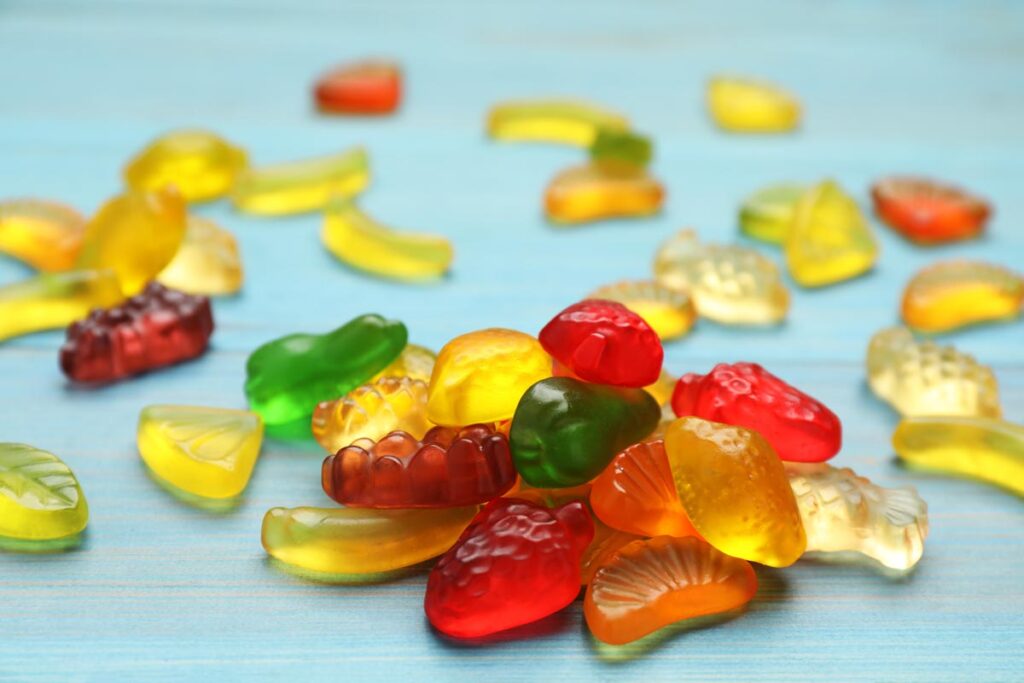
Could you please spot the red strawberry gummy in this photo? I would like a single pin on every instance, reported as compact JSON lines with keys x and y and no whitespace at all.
{"x":516,"y":563}
{"x":799,"y":427}
{"x":604,"y":342}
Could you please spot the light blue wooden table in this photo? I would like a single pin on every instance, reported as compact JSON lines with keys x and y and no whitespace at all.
{"x":164,"y":591}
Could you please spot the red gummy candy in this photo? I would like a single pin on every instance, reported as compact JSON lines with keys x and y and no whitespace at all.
{"x":450,"y":467}
{"x":927,"y":211}
{"x":515,"y":563}
{"x":360,"y":88}
{"x":156,"y":327}
{"x":604,"y":342}
{"x":798,"y":427}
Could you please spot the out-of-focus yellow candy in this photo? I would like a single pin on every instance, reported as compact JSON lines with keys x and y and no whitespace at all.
{"x":207,"y":262}
{"x":559,"y":121}
{"x":729,"y":284}
{"x":480,"y":376}
{"x":40,"y":498}
{"x":201,"y":164}
{"x":745,"y":106}
{"x":55,"y":300}
{"x":662,"y":389}
{"x":361,"y":242}
{"x":46,"y":235}
{"x":767,"y":214}
{"x":670,"y":312}
{"x":829,"y":240}
{"x":600,"y":190}
{"x":952,"y":294}
{"x":414,"y":362}
{"x":301,"y":186}
{"x":371,"y":412}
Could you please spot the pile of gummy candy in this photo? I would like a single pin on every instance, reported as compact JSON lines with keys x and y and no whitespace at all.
{"x":530,"y":466}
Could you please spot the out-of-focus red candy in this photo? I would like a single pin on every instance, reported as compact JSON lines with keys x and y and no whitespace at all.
{"x":370,"y":87}
{"x":926,"y":211}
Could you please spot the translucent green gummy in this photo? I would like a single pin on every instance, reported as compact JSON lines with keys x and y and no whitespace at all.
{"x":621,"y":146}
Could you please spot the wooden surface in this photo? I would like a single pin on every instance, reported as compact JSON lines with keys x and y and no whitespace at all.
{"x":160,"y":590}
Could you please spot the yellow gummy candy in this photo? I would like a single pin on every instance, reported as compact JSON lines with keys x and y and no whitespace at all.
{"x":201,"y":164}
{"x":670,"y":312}
{"x":953,"y":294}
{"x":301,"y":186}
{"x":371,"y":412}
{"x":600,"y":190}
{"x":207,"y":262}
{"x":829,"y":240}
{"x":923,"y":378}
{"x":46,"y":235}
{"x":767,"y":214}
{"x":977,"y":447}
{"x":361,"y":242}
{"x":415,"y":362}
{"x":662,"y":389}
{"x":745,"y":106}
{"x":480,"y":376}
{"x":559,"y":121}
{"x":40,"y":498}
{"x":846,"y":513}
{"x":55,"y":300}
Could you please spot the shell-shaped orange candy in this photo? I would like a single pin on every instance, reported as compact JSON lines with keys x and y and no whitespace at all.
{"x":606,"y":542}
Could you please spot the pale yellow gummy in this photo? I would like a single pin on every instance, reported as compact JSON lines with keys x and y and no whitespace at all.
{"x":415,"y":362}
{"x":207,"y":262}
{"x":742,"y":105}
{"x":200,"y":163}
{"x":55,"y":300}
{"x":371,"y":412}
{"x":40,"y":498}
{"x":301,"y":186}
{"x":669,"y":311}
{"x":560,"y":121}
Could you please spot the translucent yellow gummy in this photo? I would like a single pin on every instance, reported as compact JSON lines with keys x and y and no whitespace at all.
{"x":46,"y":235}
{"x":207,"y":262}
{"x":670,"y":312}
{"x":559,"y":121}
{"x":662,"y":389}
{"x":136,"y":235}
{"x":54,"y":300}
{"x":372,"y":411}
{"x":745,"y":106}
{"x":301,"y":186}
{"x":359,"y":241}
{"x":207,"y":452}
{"x":40,"y":498}
{"x":954,"y":294}
{"x":767,"y":214}
{"x":977,"y":447}
{"x":201,"y":164}
{"x":829,"y":240}
{"x":359,"y":540}
{"x":729,"y":284}
{"x":923,"y":378}
{"x":415,"y":362}
{"x":846,"y":513}
{"x":600,"y":190}
{"x":480,"y":376}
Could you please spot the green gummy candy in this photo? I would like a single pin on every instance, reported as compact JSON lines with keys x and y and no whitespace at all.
{"x":622,"y":146}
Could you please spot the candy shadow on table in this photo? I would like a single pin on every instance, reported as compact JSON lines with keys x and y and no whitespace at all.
{"x":853,"y":562}
{"x":217,"y":506}
{"x":336,"y":579}
{"x":620,"y":654}
{"x":550,"y":625}
{"x":54,"y":546}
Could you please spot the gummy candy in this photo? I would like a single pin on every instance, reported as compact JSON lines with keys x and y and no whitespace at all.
{"x":46,"y":235}
{"x":798,"y":427}
{"x":549,"y":498}
{"x":829,"y":240}
{"x":670,"y":312}
{"x":607,"y":541}
{"x":136,"y":235}
{"x":923,"y":378}
{"x":40,"y":498}
{"x":414,"y":362}
{"x":154,"y":328}
{"x":729,"y":284}
{"x":602,"y":189}
{"x":843,"y":513}
{"x":286,"y":378}
{"x":370,"y":87}
{"x":621,"y":145}
{"x":565,"y":431}
{"x":207,"y":261}
{"x":207,"y":452}
{"x":650,"y":584}
{"x":559,"y":121}
{"x":952,"y":294}
{"x":361,"y":242}
{"x":516,"y":563}
{"x":636,"y":493}
{"x":301,"y":186}
{"x":767,"y":214}
{"x":977,"y":447}
{"x":662,"y":388}
{"x":744,"y":106}
{"x":199,"y":163}
{"x":353,"y":541}
{"x":449,"y":467}
{"x":735,"y":491}
{"x":927,"y":211}
{"x":480,"y":376}
{"x":372,"y":411}
{"x":604,"y":342}
{"x":54,"y":300}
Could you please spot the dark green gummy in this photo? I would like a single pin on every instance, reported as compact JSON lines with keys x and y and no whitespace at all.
{"x":621,"y":146}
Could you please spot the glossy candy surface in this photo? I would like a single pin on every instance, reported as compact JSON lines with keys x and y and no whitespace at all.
{"x":621,"y":145}
{"x":199,"y":163}
{"x":480,"y":376}
{"x":154,"y":328}
{"x":207,"y":261}
{"x":559,"y":121}
{"x":735,"y":491}
{"x":670,"y":312}
{"x":371,"y":411}
{"x":301,"y":186}
{"x":607,"y":541}
{"x":516,"y":563}
{"x":953,"y":294}
{"x":928,"y":211}
{"x":740,"y":105}
{"x":54,"y":300}
{"x":566,"y":431}
{"x":767,"y":214}
{"x":207,"y":452}
{"x":798,"y":427}
{"x":40,"y":498}
{"x":368,"y":87}
{"x":414,"y":362}
{"x":652,"y":583}
{"x":600,"y":190}
{"x":730,"y":284}
{"x":924,"y":378}
{"x":449,"y":467}
{"x":44,"y":234}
